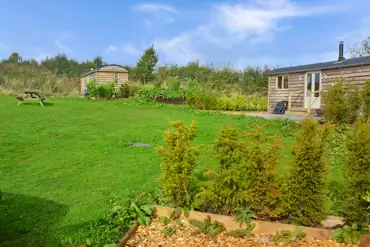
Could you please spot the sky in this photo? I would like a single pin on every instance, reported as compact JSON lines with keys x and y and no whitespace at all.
{"x":219,"y":32}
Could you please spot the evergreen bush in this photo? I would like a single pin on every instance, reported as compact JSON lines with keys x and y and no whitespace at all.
{"x":304,"y":200}
{"x":357,"y":174}
{"x":365,"y":95}
{"x":178,"y":161}
{"x":245,"y":177}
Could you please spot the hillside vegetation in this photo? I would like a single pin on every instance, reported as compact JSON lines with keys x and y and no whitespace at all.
{"x":59,"y":75}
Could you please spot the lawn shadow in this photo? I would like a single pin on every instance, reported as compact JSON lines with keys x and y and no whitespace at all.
{"x":35,"y":103}
{"x":29,"y":221}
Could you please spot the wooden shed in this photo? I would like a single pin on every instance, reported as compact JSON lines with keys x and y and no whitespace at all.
{"x":302,"y":86}
{"x":105,"y":74}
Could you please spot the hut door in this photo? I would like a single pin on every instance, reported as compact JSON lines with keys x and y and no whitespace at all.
{"x":313,"y":84}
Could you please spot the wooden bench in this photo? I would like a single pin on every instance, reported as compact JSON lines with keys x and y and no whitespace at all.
{"x":31,"y":95}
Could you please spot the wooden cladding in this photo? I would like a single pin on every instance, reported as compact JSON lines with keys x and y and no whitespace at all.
{"x":103,"y":77}
{"x":296,"y":82}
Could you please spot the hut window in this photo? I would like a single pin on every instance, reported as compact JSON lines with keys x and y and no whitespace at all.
{"x":115,"y":75}
{"x":282,"y":82}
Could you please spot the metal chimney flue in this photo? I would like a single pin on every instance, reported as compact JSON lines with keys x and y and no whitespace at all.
{"x":341,"y":51}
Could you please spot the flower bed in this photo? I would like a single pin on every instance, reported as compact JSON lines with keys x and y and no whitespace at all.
{"x":262,"y":233}
{"x":153,"y":235}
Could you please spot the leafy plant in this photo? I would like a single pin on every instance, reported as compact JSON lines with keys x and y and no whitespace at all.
{"x":165,"y":220}
{"x":289,"y":237}
{"x":168,"y":231}
{"x":207,"y":227}
{"x":240,"y":233}
{"x":347,"y":234}
{"x":357,"y":174}
{"x":365,"y":197}
{"x":243,"y":216}
{"x":111,"y":228}
{"x":178,"y":161}
{"x":304,"y":200}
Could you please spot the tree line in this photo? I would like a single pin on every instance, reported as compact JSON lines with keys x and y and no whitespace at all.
{"x":250,"y":79}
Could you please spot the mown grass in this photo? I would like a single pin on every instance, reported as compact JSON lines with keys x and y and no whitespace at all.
{"x":66,"y":163}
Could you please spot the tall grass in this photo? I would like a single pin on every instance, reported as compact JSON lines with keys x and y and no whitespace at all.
{"x":14,"y":79}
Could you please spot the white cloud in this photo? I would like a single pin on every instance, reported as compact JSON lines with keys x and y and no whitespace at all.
{"x":160,"y":13}
{"x":178,"y":50}
{"x":233,"y":25}
{"x":129,"y":49}
{"x":151,"y":7}
{"x":59,"y":42}
{"x":259,"y":17}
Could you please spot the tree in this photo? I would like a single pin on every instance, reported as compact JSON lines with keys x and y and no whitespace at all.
{"x":145,"y":66}
{"x":15,"y":58}
{"x":363,"y":50}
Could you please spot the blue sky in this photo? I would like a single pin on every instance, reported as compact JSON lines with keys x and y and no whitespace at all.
{"x":221,"y":32}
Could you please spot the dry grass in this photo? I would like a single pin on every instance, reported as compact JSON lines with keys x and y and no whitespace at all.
{"x":15,"y":79}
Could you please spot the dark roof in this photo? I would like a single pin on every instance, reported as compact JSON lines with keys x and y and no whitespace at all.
{"x":110,"y":67}
{"x":326,"y":65}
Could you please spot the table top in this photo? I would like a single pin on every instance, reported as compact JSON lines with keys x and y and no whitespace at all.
{"x":30,"y":92}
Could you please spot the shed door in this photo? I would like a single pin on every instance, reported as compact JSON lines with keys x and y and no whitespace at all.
{"x":313,"y":84}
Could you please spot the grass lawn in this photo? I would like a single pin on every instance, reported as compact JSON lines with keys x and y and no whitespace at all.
{"x":67,"y":163}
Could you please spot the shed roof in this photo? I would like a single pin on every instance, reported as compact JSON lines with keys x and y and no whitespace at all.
{"x":110,"y":67}
{"x":326,"y":65}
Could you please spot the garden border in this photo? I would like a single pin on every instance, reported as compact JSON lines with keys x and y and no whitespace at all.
{"x":261,"y":226}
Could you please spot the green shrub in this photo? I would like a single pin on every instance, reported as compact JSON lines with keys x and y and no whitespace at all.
{"x":205,"y":100}
{"x":260,"y":157}
{"x":357,"y":174}
{"x":354,"y":103}
{"x":202,"y":100}
{"x":246,"y":174}
{"x":104,"y":90}
{"x":92,"y":88}
{"x":150,"y":94}
{"x":178,"y":161}
{"x":343,"y":103}
{"x":127,"y":90}
{"x":347,"y":234}
{"x":111,"y":228}
{"x":365,"y":94}
{"x":221,"y":192}
{"x":173,"y":83}
{"x":335,"y":104}
{"x":304,"y":200}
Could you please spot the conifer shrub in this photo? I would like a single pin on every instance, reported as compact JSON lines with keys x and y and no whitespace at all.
{"x":357,"y":174}
{"x":221,"y":192}
{"x":304,"y":200}
{"x":354,"y":103}
{"x":245,"y":177}
{"x":178,"y":161}
{"x":365,"y":95}
{"x":335,"y":107}
{"x":260,"y":157}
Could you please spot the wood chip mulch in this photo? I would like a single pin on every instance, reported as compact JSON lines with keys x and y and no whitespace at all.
{"x":152,"y":236}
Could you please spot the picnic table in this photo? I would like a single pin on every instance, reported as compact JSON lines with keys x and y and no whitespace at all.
{"x":31,"y":95}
